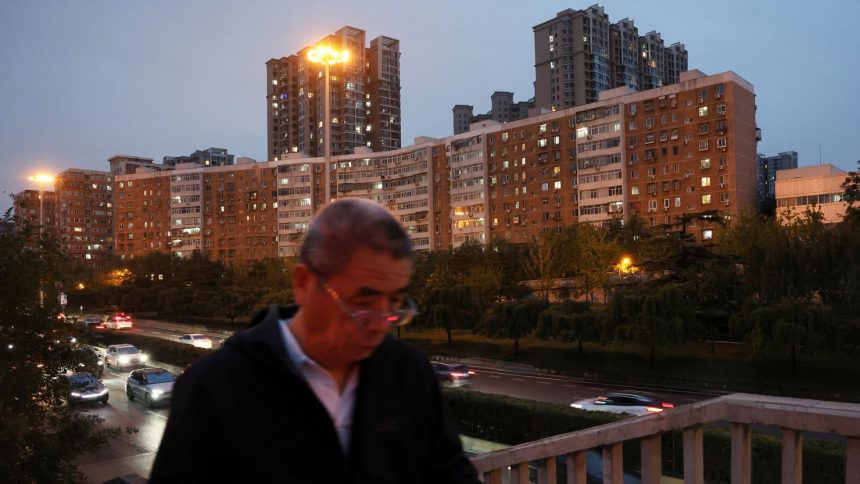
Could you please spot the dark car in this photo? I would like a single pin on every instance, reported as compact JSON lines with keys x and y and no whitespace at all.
{"x":84,"y":387}
{"x":452,"y":374}
{"x":152,"y":385}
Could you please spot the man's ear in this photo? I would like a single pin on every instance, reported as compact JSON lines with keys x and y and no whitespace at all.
{"x":303,"y":279}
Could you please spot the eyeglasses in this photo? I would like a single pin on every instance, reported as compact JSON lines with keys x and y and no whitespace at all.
{"x":364,"y":317}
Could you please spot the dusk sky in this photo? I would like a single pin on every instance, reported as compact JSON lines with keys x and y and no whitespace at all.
{"x":81,"y":81}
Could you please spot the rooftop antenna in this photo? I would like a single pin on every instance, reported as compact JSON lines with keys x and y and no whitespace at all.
{"x":819,"y":153}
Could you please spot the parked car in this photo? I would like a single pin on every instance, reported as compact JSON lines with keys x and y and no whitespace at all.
{"x":84,"y":387}
{"x":452,"y":374}
{"x":118,"y":321}
{"x":123,"y":356}
{"x":630,"y":402}
{"x":198,"y":340}
{"x":152,"y":385}
{"x":92,"y":322}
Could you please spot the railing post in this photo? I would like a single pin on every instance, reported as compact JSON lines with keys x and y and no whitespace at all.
{"x":613,"y":464}
{"x":694,"y":462}
{"x":576,"y":468}
{"x":792,"y":457}
{"x":652,"y":463}
{"x":852,"y":464}
{"x":520,"y":473}
{"x":547,"y":471}
{"x":741,"y":454}
{"x":493,"y":477}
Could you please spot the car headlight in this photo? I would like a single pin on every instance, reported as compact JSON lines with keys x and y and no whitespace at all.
{"x":123,"y":360}
{"x":143,"y":357}
{"x":156,"y":394}
{"x":76,"y":394}
{"x":100,"y":362}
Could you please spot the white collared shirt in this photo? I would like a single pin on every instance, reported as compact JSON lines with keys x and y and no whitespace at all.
{"x":339,"y":405}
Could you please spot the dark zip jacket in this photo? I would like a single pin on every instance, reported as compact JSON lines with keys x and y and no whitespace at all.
{"x":245,"y":414}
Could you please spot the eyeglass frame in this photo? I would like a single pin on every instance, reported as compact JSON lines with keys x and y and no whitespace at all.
{"x":408,"y":313}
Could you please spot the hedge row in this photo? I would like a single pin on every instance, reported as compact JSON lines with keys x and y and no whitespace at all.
{"x":514,"y":421}
{"x":158,"y":349}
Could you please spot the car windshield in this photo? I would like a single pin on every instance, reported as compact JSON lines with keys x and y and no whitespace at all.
{"x":161,"y":377}
{"x":127,"y":350}
{"x":79,"y":380}
{"x":200,"y":336}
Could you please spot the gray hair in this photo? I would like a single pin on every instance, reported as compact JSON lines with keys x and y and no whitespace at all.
{"x":344,"y":226}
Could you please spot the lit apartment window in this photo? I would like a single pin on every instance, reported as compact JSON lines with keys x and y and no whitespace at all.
{"x":706,"y":199}
{"x":703,"y":111}
{"x":705,"y":163}
{"x":706,"y":181}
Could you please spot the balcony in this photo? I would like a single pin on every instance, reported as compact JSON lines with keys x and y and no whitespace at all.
{"x":741,"y":411}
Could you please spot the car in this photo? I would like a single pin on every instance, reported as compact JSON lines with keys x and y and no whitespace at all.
{"x":124,"y":355}
{"x":450,"y":374}
{"x":118,"y":320}
{"x":84,"y":387}
{"x":198,"y":340}
{"x":630,"y":402}
{"x":152,"y":385}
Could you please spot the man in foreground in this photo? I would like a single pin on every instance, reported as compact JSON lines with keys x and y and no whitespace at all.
{"x":321,"y":392}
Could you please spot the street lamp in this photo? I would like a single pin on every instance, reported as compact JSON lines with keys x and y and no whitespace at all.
{"x":327,"y":56}
{"x":41,"y":180}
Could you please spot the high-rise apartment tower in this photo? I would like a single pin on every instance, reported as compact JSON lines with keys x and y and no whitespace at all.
{"x":364,"y":105}
{"x":579,"y":54}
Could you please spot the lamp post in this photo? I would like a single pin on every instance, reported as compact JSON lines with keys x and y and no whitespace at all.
{"x":41,"y":180}
{"x":327,"y":55}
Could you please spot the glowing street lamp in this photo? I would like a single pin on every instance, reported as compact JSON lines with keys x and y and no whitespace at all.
{"x":625,"y":266}
{"x":41,"y":180}
{"x":327,"y":56}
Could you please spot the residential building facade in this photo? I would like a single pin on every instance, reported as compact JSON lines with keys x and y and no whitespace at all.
{"x":579,"y":53}
{"x":767,"y":168}
{"x":503,"y":109}
{"x":666,"y":155}
{"x":365,"y":98}
{"x":85,"y":210}
{"x":816,"y":188}
{"x":26,"y":208}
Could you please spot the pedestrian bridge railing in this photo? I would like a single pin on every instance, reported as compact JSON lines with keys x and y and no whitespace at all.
{"x":791,"y":416}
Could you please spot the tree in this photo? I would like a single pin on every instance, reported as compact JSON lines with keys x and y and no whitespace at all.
{"x":450,"y":308}
{"x":39,"y":435}
{"x":543,"y":262}
{"x":654,"y":318}
{"x":851,"y":185}
{"x":589,"y":255}
{"x":568,"y":321}
{"x":512,"y":320}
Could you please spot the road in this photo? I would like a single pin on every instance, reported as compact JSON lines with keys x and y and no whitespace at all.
{"x":134,"y":453}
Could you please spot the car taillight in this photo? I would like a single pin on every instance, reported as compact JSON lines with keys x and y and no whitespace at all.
{"x":654,"y":409}
{"x":471,"y":372}
{"x":457,"y":374}
{"x":668,"y":405}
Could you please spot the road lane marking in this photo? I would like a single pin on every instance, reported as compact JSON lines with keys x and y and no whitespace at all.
{"x":494,"y":376}
{"x":543,"y":382}
{"x":157,"y":414}
{"x":570,"y":386}
{"x":517,"y":379}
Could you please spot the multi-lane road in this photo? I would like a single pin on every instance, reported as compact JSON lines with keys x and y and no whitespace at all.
{"x":134,"y":453}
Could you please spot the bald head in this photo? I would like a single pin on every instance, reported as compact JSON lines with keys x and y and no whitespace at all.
{"x":346,"y":225}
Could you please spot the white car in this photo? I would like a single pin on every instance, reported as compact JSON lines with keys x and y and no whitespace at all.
{"x":633,"y":403}
{"x":152,"y":385}
{"x":198,"y":340}
{"x":122,"y":356}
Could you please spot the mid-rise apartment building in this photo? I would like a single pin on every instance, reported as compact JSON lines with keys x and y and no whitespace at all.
{"x":579,"y":53}
{"x":767,"y":168}
{"x":85,"y":209}
{"x":26,"y":208}
{"x":664,"y":155}
{"x":503,"y":109}
{"x":207,"y":157}
{"x":365,"y":98}
{"x":811,"y":188}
